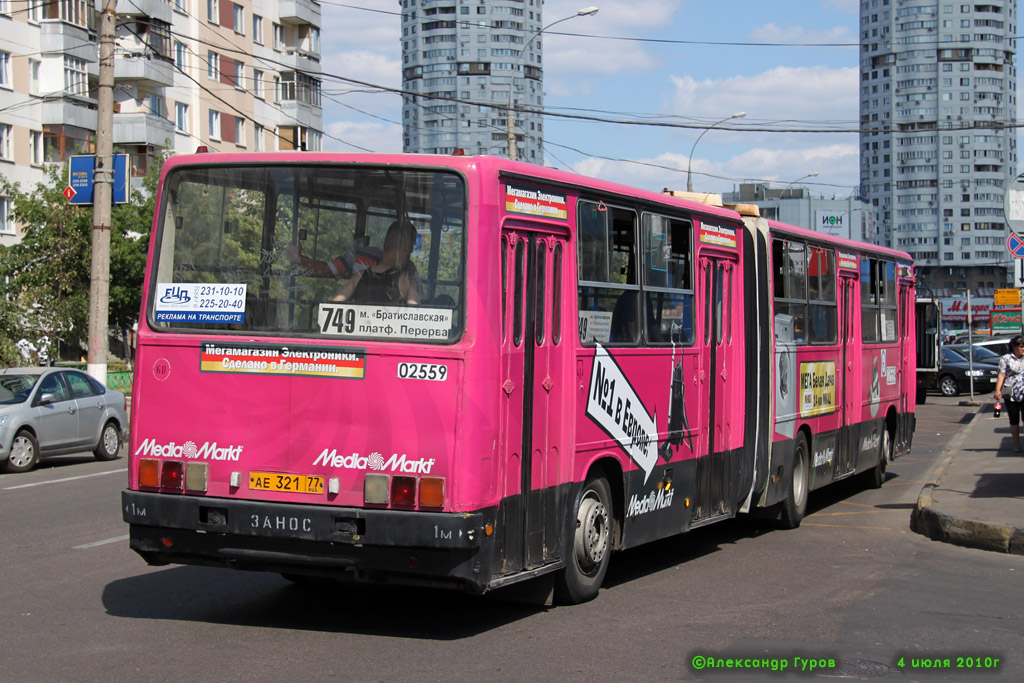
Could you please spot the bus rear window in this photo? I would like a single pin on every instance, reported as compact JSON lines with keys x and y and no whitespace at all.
{"x":318,"y":250}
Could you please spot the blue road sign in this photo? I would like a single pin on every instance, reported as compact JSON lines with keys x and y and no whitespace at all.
{"x":80,"y":178}
{"x":1015,"y":244}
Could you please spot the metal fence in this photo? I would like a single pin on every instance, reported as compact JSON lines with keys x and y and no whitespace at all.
{"x":122,"y":381}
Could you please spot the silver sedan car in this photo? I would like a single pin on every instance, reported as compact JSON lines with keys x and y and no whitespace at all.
{"x":54,"y":411}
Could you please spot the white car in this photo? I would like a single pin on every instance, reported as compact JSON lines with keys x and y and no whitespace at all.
{"x":55,"y":411}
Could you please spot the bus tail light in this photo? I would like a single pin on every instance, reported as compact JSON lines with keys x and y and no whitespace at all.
{"x":432,"y":492}
{"x":196,"y":476}
{"x":375,"y":489}
{"x":403,"y":491}
{"x":171,"y":475}
{"x":149,"y":473}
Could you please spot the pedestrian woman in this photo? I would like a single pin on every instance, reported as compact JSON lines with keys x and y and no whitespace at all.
{"x":1011,"y":377}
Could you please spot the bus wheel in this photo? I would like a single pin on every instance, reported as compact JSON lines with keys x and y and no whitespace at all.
{"x":875,"y":477}
{"x":587,"y":559}
{"x":794,"y":506}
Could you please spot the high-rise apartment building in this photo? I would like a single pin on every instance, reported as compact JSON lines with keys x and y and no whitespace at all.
{"x":467,"y":60}
{"x":938,"y":84}
{"x":233,"y":76}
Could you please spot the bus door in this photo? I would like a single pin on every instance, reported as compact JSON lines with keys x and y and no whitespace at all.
{"x":849,"y":382}
{"x":907,"y":381}
{"x":535,"y":388}
{"x":714,"y":476}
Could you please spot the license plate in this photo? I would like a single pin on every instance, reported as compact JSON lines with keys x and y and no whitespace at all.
{"x":285,"y":483}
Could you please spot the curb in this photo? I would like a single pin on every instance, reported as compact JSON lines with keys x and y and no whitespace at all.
{"x":939,"y":526}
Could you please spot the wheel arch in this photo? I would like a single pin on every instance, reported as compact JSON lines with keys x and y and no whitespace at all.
{"x":25,"y":427}
{"x":891,"y":426}
{"x":610,"y":468}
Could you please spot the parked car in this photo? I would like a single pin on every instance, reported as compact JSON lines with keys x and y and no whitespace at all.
{"x":955,"y":373}
{"x":54,"y":411}
{"x":998,"y":345}
{"x":980,"y":354}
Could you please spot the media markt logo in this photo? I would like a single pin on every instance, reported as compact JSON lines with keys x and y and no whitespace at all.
{"x":375,"y":461}
{"x":656,"y":500}
{"x":210,"y":450}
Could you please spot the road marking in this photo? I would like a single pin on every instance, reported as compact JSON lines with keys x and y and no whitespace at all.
{"x":103,"y":542}
{"x":863,"y":505}
{"x":837,"y":514}
{"x":849,"y":526}
{"x":57,"y":481}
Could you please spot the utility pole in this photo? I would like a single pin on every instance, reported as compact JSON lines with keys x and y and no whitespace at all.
{"x":103,"y":177}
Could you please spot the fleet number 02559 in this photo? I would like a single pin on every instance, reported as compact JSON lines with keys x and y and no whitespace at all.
{"x":428,"y":371}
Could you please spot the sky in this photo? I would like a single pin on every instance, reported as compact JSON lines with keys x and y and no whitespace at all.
{"x":726,"y":58}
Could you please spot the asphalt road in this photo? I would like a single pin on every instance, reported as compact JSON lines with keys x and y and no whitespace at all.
{"x":853,"y":584}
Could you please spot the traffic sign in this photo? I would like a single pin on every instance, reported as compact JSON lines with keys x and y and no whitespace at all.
{"x":1015,"y":244}
{"x":1018,"y":273}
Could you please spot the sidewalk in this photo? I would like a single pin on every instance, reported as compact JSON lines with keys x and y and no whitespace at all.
{"x":977,"y":496}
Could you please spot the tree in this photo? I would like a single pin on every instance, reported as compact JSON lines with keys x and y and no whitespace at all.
{"x":46,"y":290}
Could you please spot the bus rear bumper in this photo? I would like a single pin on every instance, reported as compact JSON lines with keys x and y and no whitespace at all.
{"x":344,"y":543}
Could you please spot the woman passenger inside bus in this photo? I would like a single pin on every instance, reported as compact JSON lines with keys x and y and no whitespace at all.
{"x":393,"y":281}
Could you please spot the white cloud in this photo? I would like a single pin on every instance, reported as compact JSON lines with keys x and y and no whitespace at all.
{"x":783,"y":93}
{"x":613,"y":14}
{"x":837,"y":166}
{"x":377,"y":137}
{"x":780,"y":99}
{"x":354,"y":28}
{"x":565,"y":54}
{"x":772,"y":33}
{"x":370,"y":67}
{"x":848,"y":6}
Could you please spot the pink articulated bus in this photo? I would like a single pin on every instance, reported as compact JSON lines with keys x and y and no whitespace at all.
{"x":472,"y":372}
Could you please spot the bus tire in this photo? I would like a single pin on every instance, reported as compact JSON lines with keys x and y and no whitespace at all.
{"x":24,"y":453}
{"x":875,"y":477}
{"x":110,"y":442}
{"x":794,"y":505}
{"x":590,"y":546}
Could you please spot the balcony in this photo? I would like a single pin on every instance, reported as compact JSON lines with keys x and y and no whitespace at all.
{"x":142,"y":129}
{"x":58,"y":37}
{"x":298,"y":60}
{"x":296,"y":112}
{"x":154,"y":9}
{"x":70,"y":111}
{"x":298,"y":12}
{"x":148,"y":71}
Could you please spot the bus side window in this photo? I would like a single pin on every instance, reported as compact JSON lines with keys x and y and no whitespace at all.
{"x":822,"y":312}
{"x":789,"y":284}
{"x":668,"y":279}
{"x":878,"y":300}
{"x":519,"y":292}
{"x":608,"y":281}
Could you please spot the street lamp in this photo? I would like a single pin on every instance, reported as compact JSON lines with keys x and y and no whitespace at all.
{"x":689,"y":179}
{"x":510,"y":114}
{"x":778,"y":203}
